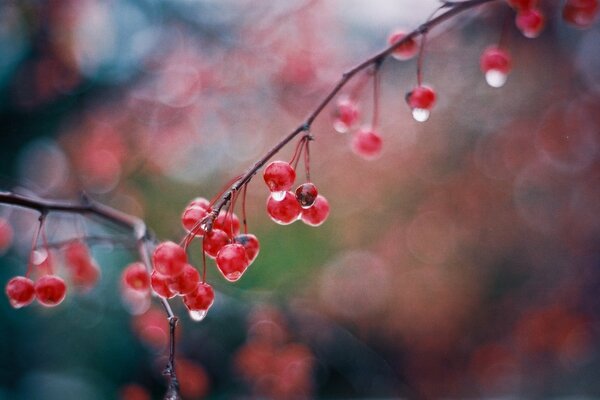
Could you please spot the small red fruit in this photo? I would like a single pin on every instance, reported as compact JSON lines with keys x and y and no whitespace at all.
{"x":228,"y":222}
{"x":136,"y":277}
{"x":84,"y":271}
{"x":367,"y":143}
{"x":530,"y":22}
{"x":581,"y":13}
{"x":191,"y":218}
{"x":251,"y":245}
{"x":421,"y":100}
{"x":169,"y":259}
{"x":346,"y":114}
{"x":214,"y":241}
{"x":160,"y":285}
{"x":279,"y":176}
{"x":495,"y":64}
{"x":406,"y":50}
{"x":318,"y":213}
{"x":20,"y":291}
{"x":185,"y":282}
{"x":50,"y":290}
{"x":201,"y":299}
{"x":306,"y":194}
{"x":284,"y":212}
{"x":232,"y":261}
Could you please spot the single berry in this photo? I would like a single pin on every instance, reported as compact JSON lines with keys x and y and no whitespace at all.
{"x":306,"y":194}
{"x":522,"y":4}
{"x":346,"y":114}
{"x":136,"y":277}
{"x":530,"y":22}
{"x":84,"y":270}
{"x":279,"y":176}
{"x":495,"y":64}
{"x":200,"y":299}
{"x":250,"y":243}
{"x":191,"y":218}
{"x":50,"y":290}
{"x":20,"y":291}
{"x":228,"y":222}
{"x":200,"y":202}
{"x":6,"y":235}
{"x":213,"y":242}
{"x":421,"y":100}
{"x":318,"y":213}
{"x":580,"y":13}
{"x":185,"y":282}
{"x":160,"y":285}
{"x":367,"y":143}
{"x":169,"y":259}
{"x":284,"y":212}
{"x":406,"y":50}
{"x":232,"y":261}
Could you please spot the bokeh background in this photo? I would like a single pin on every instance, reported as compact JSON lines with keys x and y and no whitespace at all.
{"x":463,"y":263}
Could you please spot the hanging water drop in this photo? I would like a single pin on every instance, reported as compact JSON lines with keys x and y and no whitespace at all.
{"x":495,"y":78}
{"x":340,"y":126}
{"x":278,"y":196}
{"x":198,"y":315}
{"x":420,"y":114}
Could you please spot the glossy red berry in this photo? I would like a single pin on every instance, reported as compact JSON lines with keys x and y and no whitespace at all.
{"x":214,"y":241}
{"x":405,"y":51}
{"x":160,"y":285}
{"x":495,"y":64}
{"x":6,"y":235}
{"x":346,"y":114}
{"x":84,"y":270}
{"x":367,"y":143}
{"x":421,"y":100}
{"x":199,"y":301}
{"x":192,"y":217}
{"x":136,"y":277}
{"x":185,"y":282}
{"x":530,"y":22}
{"x":232,"y":261}
{"x":20,"y":291}
{"x":199,"y":202}
{"x":228,"y":222}
{"x":50,"y":290}
{"x":169,"y":259}
{"x":318,"y":213}
{"x":522,"y":4}
{"x":251,"y":245}
{"x":581,"y":13}
{"x":279,"y":176}
{"x":306,"y":194}
{"x":286,"y":211}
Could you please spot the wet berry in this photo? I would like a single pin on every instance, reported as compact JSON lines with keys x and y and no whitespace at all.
{"x":367,"y":143}
{"x":346,"y":114}
{"x":279,"y":176}
{"x":160,"y":285}
{"x":405,"y":51}
{"x":421,"y":100}
{"x":20,"y":291}
{"x":250,"y":243}
{"x":286,"y":211}
{"x":136,"y":277}
{"x":306,"y":194}
{"x":185,"y":282}
{"x":169,"y":259}
{"x":530,"y":22}
{"x":495,"y":64}
{"x":232,"y":261}
{"x":214,"y":241}
{"x":50,"y":290}
{"x":200,"y":299}
{"x":318,"y":213}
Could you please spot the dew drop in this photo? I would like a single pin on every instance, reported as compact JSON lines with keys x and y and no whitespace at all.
{"x":39,"y":256}
{"x":198,"y":315}
{"x":495,"y":78}
{"x":340,"y":126}
{"x":278,"y":196}
{"x":420,"y":114}
{"x":233,"y":276}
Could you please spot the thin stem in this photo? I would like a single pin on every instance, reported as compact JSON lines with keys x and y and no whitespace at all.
{"x":244,"y":219}
{"x":307,"y":157}
{"x":420,"y":59}
{"x":376,"y":90}
{"x":36,"y":238}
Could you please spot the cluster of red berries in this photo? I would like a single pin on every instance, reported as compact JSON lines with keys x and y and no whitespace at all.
{"x":530,"y":20}
{"x":284,"y":206}
{"x":366,"y":141}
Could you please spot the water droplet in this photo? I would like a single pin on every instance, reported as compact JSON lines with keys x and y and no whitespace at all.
{"x":420,"y":114}
{"x":340,"y":126}
{"x":495,"y":78}
{"x":233,"y":276}
{"x":198,"y":315}
{"x":39,"y":256}
{"x":278,"y":196}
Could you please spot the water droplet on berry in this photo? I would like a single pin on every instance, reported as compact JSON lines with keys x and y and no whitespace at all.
{"x":495,"y":78}
{"x":39,"y":256}
{"x":198,"y":315}
{"x":420,"y":114}
{"x":278,"y":196}
{"x":340,"y":126}
{"x":204,"y":225}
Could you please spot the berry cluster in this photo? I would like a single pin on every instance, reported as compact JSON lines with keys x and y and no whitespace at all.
{"x":283,"y":206}
{"x":49,"y":290}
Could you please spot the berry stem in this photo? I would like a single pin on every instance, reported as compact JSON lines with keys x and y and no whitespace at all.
{"x":420,"y":59}
{"x":36,"y":238}
{"x":244,"y":219}
{"x":376,"y":90}
{"x":307,"y":157}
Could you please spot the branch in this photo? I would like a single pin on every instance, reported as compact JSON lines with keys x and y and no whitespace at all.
{"x":453,"y":8}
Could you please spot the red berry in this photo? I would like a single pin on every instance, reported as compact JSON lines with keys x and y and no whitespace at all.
{"x":367,"y":143}
{"x":306,"y":194}
{"x":201,"y":299}
{"x":250,"y":243}
{"x":530,"y":22}
{"x":232,"y":261}
{"x":50,"y":290}
{"x":160,"y":285}
{"x":495,"y":64}
{"x":169,"y":259}
{"x":346,"y":114}
{"x":580,"y":13}
{"x":228,"y":222}
{"x":405,"y":51}
{"x":199,"y":202}
{"x":84,"y":271}
{"x":20,"y":291}
{"x":522,"y":4}
{"x":191,"y":218}
{"x":6,"y":235}
{"x":279,"y":176}
{"x":214,"y":241}
{"x":136,"y":277}
{"x":421,"y":101}
{"x":185,"y":282}
{"x":284,"y":212}
{"x":318,"y":213}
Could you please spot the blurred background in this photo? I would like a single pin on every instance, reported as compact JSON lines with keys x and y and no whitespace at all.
{"x":463,"y":263}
